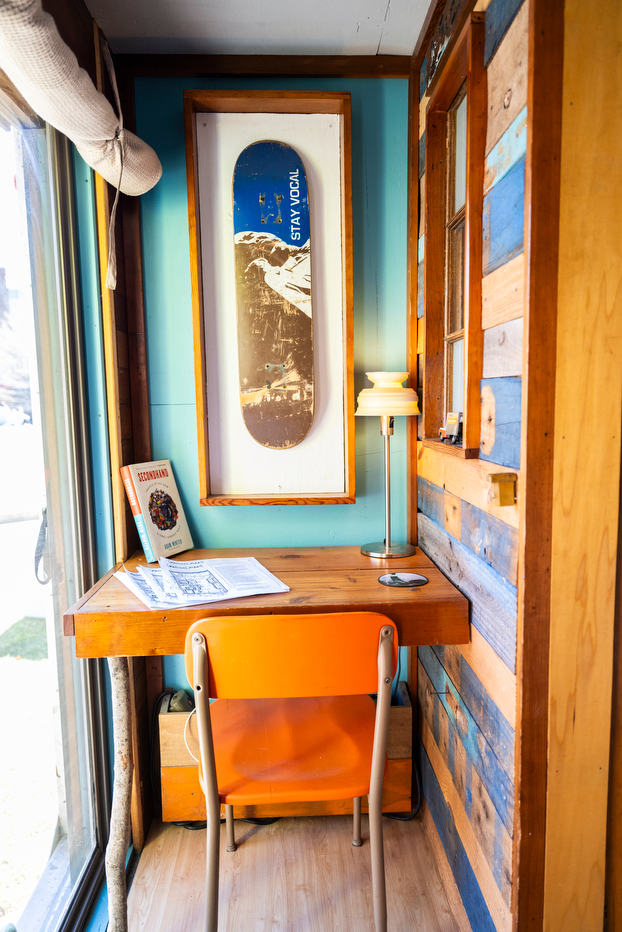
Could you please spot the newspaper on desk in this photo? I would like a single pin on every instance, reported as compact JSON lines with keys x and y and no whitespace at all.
{"x":193,"y":582}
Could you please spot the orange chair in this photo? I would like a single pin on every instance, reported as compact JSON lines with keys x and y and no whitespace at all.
{"x":294,"y":721}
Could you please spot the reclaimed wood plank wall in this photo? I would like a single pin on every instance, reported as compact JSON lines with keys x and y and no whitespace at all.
{"x":467,"y":693}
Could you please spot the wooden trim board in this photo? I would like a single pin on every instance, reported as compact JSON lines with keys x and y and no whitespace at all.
{"x":584,"y":527}
{"x":544,"y":88}
{"x":327,"y":66}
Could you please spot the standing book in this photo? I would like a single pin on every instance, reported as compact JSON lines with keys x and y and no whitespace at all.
{"x":157,"y":509}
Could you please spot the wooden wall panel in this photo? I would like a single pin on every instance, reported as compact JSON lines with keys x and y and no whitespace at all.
{"x":510,"y":148}
{"x":507,"y":78}
{"x":466,"y":859}
{"x":504,"y":219}
{"x":613,"y":880}
{"x":472,"y":744}
{"x":586,"y":471}
{"x":499,"y":16}
{"x":493,"y":599}
{"x":468,"y":731}
{"x":501,"y":421}
{"x":431,"y":501}
{"x":450,"y":709}
{"x":480,"y":704}
{"x":493,"y":541}
{"x":453,"y":514}
{"x":503,"y":350}
{"x":467,"y":479}
{"x":503,"y":293}
{"x":489,"y":669}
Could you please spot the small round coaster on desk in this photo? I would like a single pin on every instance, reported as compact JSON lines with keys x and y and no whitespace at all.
{"x":403,"y":580}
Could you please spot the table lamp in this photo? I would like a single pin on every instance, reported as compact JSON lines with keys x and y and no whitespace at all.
{"x":387,"y":399}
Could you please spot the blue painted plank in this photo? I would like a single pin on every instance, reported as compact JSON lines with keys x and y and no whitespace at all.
{"x":431,"y":500}
{"x":489,"y":718}
{"x":498,"y":732}
{"x":472,"y":898}
{"x":511,"y":147}
{"x":420,"y":304}
{"x":497,"y":868}
{"x":451,"y":747}
{"x":499,"y":16}
{"x":503,"y":222}
{"x":422,"y":155}
{"x":498,"y":784}
{"x":468,"y":789}
{"x":493,"y":599}
{"x":492,"y":540}
{"x":501,"y":421}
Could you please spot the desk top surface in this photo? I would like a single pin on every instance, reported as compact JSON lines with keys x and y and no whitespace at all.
{"x":110,"y":621}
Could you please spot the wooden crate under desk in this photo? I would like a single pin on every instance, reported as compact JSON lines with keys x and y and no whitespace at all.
{"x":183,"y":800}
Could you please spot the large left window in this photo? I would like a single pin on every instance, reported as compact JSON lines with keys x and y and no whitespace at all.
{"x":47,"y":546}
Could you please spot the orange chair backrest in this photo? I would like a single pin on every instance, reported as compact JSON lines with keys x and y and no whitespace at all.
{"x":274,"y":656}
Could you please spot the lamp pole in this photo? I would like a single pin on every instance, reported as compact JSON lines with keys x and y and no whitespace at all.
{"x":386,"y":429}
{"x":388,"y":394}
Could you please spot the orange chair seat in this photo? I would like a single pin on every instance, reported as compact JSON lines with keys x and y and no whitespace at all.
{"x":287,"y":750}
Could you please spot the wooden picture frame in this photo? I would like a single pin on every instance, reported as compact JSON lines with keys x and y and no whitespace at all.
{"x":233,"y":468}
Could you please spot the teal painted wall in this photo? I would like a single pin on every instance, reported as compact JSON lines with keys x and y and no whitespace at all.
{"x":379,"y":184}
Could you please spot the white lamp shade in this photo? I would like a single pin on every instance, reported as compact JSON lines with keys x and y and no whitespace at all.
{"x":388,"y":396}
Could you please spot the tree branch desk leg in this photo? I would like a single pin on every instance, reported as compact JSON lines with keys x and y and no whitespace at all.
{"x":120,"y":825}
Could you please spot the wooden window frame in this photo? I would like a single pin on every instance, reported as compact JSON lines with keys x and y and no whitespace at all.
{"x":464,"y":65}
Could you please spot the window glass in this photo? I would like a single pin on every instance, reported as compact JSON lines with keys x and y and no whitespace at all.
{"x":456,"y":375}
{"x":455,"y":262}
{"x":48,"y":832}
{"x":455,"y":253}
{"x":459,"y":116}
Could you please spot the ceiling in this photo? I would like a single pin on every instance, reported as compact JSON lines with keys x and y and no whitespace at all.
{"x":264,"y":27}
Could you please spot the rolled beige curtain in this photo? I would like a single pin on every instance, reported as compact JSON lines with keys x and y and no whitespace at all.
{"x":46,"y":72}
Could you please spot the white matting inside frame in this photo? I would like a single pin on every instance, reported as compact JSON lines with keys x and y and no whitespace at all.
{"x":238,"y":465}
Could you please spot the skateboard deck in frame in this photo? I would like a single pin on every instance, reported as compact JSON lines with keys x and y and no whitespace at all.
{"x":273,"y":294}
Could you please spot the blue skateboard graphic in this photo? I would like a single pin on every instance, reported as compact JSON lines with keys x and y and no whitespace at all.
{"x":273,"y":294}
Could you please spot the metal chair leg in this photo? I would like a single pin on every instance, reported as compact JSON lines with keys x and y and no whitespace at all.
{"x":210,"y":783}
{"x":377,"y":863}
{"x":383,"y":704}
{"x":356,"y":823}
{"x":231,"y":845}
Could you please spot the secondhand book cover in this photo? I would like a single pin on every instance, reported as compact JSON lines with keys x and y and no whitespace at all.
{"x":156,"y":506}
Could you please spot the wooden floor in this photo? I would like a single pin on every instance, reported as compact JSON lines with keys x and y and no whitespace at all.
{"x":296,"y":875}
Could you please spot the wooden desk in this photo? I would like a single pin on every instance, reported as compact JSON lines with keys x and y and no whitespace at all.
{"x":109,"y":621}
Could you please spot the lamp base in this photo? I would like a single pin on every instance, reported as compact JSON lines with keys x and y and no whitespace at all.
{"x":379,"y":549}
